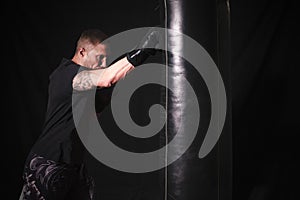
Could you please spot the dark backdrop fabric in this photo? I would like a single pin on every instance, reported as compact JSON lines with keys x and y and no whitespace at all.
{"x":265,"y":53}
{"x":265,"y":82}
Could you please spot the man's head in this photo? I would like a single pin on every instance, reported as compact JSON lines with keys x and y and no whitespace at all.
{"x":91,"y":51}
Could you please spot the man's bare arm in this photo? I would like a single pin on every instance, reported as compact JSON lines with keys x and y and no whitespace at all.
{"x":89,"y":79}
{"x":83,"y":81}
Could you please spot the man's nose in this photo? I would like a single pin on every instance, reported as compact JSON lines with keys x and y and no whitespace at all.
{"x":104,"y":62}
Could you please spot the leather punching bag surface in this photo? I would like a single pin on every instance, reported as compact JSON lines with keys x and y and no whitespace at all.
{"x":195,"y":176}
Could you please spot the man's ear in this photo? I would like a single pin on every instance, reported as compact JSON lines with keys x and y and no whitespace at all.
{"x":82,"y":52}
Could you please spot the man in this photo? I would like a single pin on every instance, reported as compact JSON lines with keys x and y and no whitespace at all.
{"x":54,"y":168}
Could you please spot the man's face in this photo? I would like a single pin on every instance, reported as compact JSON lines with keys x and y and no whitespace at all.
{"x":95,"y":57}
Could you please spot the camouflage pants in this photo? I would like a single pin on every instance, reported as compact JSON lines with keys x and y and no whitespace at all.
{"x":48,"y":180}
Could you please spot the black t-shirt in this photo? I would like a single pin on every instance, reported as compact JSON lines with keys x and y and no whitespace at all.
{"x":59,"y":140}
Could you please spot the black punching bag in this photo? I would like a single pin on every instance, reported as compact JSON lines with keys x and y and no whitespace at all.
{"x":201,"y":168}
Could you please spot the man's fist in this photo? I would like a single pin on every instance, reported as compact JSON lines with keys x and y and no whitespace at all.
{"x":145,"y":48}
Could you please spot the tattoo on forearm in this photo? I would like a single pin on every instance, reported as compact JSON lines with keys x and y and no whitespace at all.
{"x":83,"y":81}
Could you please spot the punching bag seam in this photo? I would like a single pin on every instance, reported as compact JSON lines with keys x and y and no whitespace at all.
{"x":166,"y":103}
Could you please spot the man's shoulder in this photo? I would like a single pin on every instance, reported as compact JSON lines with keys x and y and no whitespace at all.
{"x":66,"y":66}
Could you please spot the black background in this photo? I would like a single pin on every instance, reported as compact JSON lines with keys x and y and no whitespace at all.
{"x":265,"y":83}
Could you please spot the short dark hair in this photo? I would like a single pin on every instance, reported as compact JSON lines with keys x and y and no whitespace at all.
{"x":93,"y":36}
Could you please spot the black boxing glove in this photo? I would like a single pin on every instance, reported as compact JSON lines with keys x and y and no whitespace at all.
{"x":145,"y":49}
